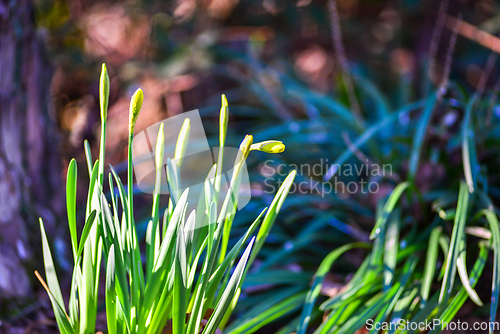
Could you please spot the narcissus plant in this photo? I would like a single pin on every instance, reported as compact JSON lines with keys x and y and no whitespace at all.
{"x":188,"y":281}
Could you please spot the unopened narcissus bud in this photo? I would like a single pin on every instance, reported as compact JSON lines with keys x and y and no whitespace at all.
{"x":135,"y":108}
{"x":242,"y":155}
{"x":160,"y":142}
{"x":104,"y":92}
{"x":223,"y":120}
{"x":269,"y":146}
{"x":246,"y":144}
{"x":182,"y":141}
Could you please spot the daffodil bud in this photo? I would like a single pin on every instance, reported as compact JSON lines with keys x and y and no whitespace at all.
{"x":135,"y":108}
{"x":182,"y":141}
{"x":104,"y":92}
{"x":223,"y":120}
{"x":246,"y":145}
{"x":160,"y":148}
{"x":269,"y":146}
{"x":241,"y":157}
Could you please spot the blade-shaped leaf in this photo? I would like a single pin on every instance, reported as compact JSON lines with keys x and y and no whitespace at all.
{"x":179,"y":293}
{"x":430,"y":263}
{"x":62,"y":318}
{"x":71,"y":204}
{"x":50,"y":270}
{"x":315,"y":290}
{"x":456,"y":238}
{"x":229,"y":292}
{"x":110,"y":291}
{"x":388,"y":207}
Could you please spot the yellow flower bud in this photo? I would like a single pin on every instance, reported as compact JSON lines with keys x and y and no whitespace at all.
{"x":182,"y":141}
{"x":104,"y":92}
{"x":269,"y":146}
{"x":160,"y":148}
{"x":246,"y":144}
{"x":223,"y":120}
{"x":135,"y":108}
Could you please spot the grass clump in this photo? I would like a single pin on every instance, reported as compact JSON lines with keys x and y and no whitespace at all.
{"x":431,"y":231}
{"x":191,"y":279}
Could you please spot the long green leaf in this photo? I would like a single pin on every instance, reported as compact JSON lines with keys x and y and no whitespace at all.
{"x":468,"y":152}
{"x":456,"y":238}
{"x":457,"y":302}
{"x":391,"y":248}
{"x":388,"y":207}
{"x":464,"y":277}
{"x":430,"y":263}
{"x":315,"y":290}
{"x":111,"y":292}
{"x":85,"y":232}
{"x":495,"y":231}
{"x":229,"y":291}
{"x":71,"y":204}
{"x":62,"y":318}
{"x":270,"y":314}
{"x":179,"y":293}
{"x":50,"y":270}
{"x":271,"y":215}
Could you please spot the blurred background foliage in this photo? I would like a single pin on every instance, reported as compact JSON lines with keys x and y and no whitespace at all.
{"x":284,"y":79}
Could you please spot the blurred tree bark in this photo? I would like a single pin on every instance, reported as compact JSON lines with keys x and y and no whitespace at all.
{"x":30,"y":173}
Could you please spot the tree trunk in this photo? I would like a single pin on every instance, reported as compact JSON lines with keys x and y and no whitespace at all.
{"x":30,"y":174}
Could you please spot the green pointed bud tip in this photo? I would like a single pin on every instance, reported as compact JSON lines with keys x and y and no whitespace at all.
{"x":104,"y":92}
{"x":186,"y":125}
{"x":135,"y":108}
{"x":269,"y":146}
{"x":224,"y":101}
{"x":161,"y":131}
{"x":246,"y":145}
{"x":160,"y":141}
{"x":182,"y":140}
{"x":223,"y":120}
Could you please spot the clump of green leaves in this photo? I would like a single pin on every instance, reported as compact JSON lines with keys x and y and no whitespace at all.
{"x":190,"y":281}
{"x":429,"y":239}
